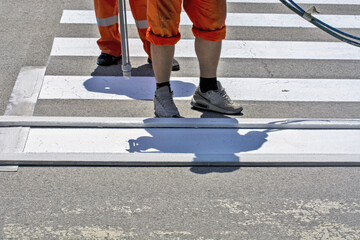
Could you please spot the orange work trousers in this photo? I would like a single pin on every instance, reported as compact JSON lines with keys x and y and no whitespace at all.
{"x":107,"y":19}
{"x":208,"y":18}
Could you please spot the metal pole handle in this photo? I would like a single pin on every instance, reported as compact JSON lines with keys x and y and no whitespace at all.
{"x":126,"y":66}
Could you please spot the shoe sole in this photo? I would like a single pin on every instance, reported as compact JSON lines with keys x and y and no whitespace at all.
{"x":213,"y":108}
{"x":175,"y":68}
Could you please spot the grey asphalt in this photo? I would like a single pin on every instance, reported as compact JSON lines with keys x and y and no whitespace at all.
{"x":180,"y":203}
{"x":26,"y":35}
{"x":163,"y":203}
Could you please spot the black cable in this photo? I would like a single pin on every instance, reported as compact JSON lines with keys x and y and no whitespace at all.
{"x":322,"y":25}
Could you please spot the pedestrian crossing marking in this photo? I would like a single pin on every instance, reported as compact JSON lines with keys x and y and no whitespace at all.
{"x":208,"y":123}
{"x":230,"y":49}
{"x":335,"y":2}
{"x":233,"y":19}
{"x":198,"y":141}
{"x":249,"y":89}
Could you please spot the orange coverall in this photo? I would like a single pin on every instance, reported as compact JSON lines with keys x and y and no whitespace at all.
{"x":107,"y":19}
{"x":208,"y":18}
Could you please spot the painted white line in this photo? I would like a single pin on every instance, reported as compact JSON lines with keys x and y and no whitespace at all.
{"x":13,"y":139}
{"x":13,"y":168}
{"x":21,"y":103}
{"x":251,"y":89}
{"x":193,"y":141}
{"x":336,"y":2}
{"x":26,"y":90}
{"x":119,"y":122}
{"x":234,"y":19}
{"x":180,"y":159}
{"x":230,"y":49}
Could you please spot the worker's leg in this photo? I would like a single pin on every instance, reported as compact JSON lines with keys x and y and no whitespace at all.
{"x":208,"y":54}
{"x":209,"y":28}
{"x":138,"y":9}
{"x":163,"y":33}
{"x":107,"y":19}
{"x":162,"y":62}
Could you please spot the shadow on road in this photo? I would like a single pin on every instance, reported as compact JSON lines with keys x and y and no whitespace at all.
{"x":225,"y":143}
{"x":141,"y":86}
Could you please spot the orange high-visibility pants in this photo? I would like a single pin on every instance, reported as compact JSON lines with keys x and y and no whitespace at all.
{"x":208,"y":18}
{"x":107,"y":19}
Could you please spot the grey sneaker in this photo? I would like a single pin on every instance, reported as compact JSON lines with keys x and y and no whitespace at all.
{"x":215,"y":100}
{"x":164,"y":105}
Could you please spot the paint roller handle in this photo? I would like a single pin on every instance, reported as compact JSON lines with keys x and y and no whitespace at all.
{"x":126,"y":66}
{"x":126,"y":69}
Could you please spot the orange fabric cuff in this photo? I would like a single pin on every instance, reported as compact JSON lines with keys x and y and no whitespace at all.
{"x":161,"y":41}
{"x":215,"y":35}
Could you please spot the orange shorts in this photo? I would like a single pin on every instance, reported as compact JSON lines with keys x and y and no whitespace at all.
{"x":208,"y":18}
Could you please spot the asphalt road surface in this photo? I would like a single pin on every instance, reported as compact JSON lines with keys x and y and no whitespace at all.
{"x":179,"y":202}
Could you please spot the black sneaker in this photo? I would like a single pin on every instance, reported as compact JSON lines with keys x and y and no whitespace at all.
{"x":175,"y":64}
{"x":107,"y":60}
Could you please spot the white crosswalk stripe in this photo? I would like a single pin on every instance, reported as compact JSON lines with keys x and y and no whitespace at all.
{"x":230,"y":49}
{"x":233,"y":19}
{"x":249,"y":89}
{"x":204,"y":146}
{"x":336,"y":2}
{"x":221,"y":141}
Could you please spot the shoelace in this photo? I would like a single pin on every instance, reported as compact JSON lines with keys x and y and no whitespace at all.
{"x":224,"y":95}
{"x":163,"y":100}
